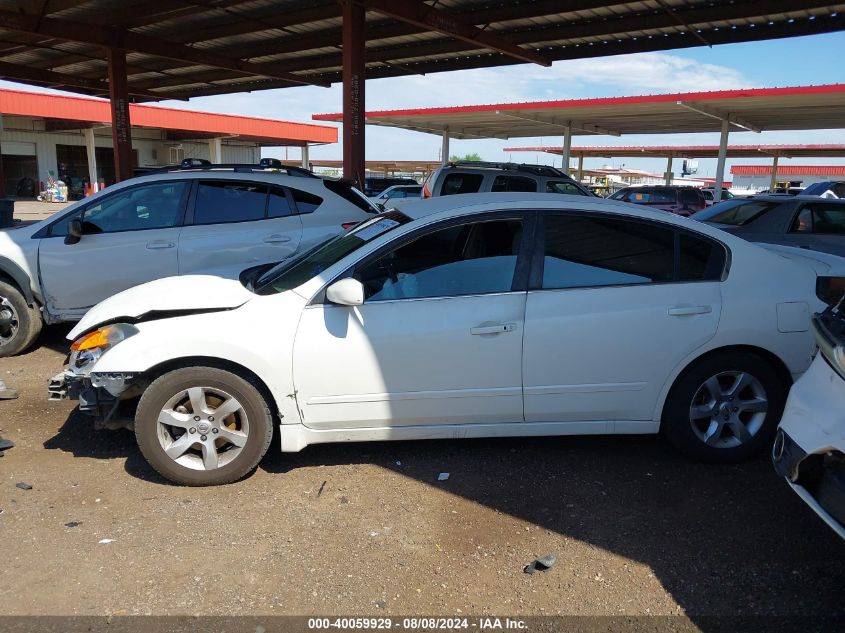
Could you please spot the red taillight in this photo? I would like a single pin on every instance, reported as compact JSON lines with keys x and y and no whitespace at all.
{"x":426,"y":193}
{"x":348,"y":225}
{"x":830,"y":289}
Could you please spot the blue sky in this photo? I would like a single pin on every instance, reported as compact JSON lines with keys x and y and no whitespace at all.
{"x":796,"y":61}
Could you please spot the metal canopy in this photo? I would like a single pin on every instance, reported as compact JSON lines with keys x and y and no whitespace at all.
{"x":177,"y":49}
{"x":692,"y":151}
{"x":790,"y":108}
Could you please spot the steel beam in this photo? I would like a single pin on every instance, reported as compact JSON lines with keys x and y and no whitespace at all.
{"x":714,"y":113}
{"x":108,"y":37}
{"x":121,"y":126}
{"x":427,"y":17}
{"x":354,"y":18}
{"x":25,"y":73}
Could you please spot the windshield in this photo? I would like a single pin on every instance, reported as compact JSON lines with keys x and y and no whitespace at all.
{"x":735,"y":212}
{"x":296,"y":271}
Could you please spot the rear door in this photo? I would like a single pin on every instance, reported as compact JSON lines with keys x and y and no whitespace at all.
{"x":614,"y":306}
{"x":129,"y":238}
{"x":233,"y":224}
{"x":819,"y":226}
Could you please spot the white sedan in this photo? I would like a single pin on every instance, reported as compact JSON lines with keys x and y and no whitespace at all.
{"x":467,"y":316}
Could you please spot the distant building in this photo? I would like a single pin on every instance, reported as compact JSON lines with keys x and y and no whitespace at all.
{"x":759,"y":177}
{"x":43,"y":133}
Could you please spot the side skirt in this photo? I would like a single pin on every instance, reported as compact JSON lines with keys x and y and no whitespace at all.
{"x":295,"y":437}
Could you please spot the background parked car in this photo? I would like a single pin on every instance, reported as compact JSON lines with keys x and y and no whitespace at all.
{"x":809,"y":450}
{"x":710,"y":195}
{"x":680,"y":200}
{"x":826,"y":189}
{"x":397,"y":192}
{"x":482,"y":177}
{"x":374,"y":185}
{"x":189,"y":220}
{"x":803,"y":221}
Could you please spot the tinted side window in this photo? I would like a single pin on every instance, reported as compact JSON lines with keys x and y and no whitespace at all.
{"x":306,"y":202}
{"x":461,"y":183}
{"x":828,"y":219}
{"x":278,"y":205}
{"x":690,"y":197}
{"x":514,"y":183}
{"x":220,"y":201}
{"x":467,"y":259}
{"x":588,"y":251}
{"x":153,"y":206}
{"x":561,"y":186}
{"x":736,"y":212}
{"x":699,"y":259}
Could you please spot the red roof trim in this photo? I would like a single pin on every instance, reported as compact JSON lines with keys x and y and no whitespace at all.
{"x":22,"y":103}
{"x":788,"y":170}
{"x":675,"y":148}
{"x":605,"y":101}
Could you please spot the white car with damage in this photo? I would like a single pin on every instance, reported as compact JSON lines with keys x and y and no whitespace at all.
{"x":467,"y":316}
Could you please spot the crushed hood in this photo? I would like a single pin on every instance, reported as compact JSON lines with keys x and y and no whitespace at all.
{"x":163,"y":297}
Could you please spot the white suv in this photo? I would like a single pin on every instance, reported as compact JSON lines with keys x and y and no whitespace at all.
{"x":212,"y":219}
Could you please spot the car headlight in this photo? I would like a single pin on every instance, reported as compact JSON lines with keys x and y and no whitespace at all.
{"x":87,"y":349}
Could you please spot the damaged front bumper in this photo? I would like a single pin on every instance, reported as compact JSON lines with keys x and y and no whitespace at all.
{"x":99,"y":394}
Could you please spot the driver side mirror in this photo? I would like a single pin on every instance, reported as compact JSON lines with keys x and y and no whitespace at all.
{"x":346,"y":292}
{"x":74,"y":231}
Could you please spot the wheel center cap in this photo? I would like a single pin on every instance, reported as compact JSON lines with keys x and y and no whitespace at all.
{"x":203,"y":428}
{"x":725,"y":411}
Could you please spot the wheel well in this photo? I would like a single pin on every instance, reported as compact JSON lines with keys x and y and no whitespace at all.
{"x":777,"y":364}
{"x":218,"y":363}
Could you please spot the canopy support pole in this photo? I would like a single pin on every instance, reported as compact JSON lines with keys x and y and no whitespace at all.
{"x":667,"y":177}
{"x":567,"y":147}
{"x":444,"y":148}
{"x":305,"y":158}
{"x":91,"y":151}
{"x":720,"y":164}
{"x":774,"y":179}
{"x":121,"y":127}
{"x":215,"y":150}
{"x":580,"y":174}
{"x":352,"y":39}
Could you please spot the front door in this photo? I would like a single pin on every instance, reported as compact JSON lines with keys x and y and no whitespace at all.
{"x":129,"y":238}
{"x":437,"y":341}
{"x":616,"y":304}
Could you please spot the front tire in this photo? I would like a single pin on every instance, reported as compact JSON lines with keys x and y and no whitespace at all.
{"x":725,"y":407}
{"x":20,"y":324}
{"x":203,"y":426}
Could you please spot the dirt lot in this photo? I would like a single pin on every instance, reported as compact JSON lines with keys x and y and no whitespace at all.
{"x":368,"y":529}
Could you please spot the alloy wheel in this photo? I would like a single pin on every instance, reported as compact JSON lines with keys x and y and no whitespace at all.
{"x":203,"y":428}
{"x":9,"y":321}
{"x":728,"y":409}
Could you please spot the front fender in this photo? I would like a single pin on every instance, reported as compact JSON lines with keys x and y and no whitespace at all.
{"x":240,"y":337}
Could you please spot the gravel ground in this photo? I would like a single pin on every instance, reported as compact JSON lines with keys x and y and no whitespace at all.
{"x":367,"y":528}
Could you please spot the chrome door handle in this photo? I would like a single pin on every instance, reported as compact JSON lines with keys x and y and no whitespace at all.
{"x":500,"y":328}
{"x":689,"y":310}
{"x":159,"y":244}
{"x":277,"y":239}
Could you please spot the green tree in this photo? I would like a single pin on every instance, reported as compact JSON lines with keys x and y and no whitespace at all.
{"x":469,"y":158}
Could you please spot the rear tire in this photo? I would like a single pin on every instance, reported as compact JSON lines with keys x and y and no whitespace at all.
{"x":725,"y":407}
{"x":20,"y":324}
{"x":203,"y":426}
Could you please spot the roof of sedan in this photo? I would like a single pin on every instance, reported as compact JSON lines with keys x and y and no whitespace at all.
{"x":480,"y":202}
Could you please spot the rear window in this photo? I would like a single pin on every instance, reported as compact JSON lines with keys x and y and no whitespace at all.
{"x":735,"y":212}
{"x":562,"y":186}
{"x":691,"y":196}
{"x":514,"y":183}
{"x":306,"y":202}
{"x":461,"y":183}
{"x":349,"y":193}
{"x":651,"y":196}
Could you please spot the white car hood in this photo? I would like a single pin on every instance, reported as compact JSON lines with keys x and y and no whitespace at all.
{"x":182,"y":294}
{"x":824,"y":264}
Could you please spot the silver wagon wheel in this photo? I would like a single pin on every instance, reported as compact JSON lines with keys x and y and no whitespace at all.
{"x":728,"y":409}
